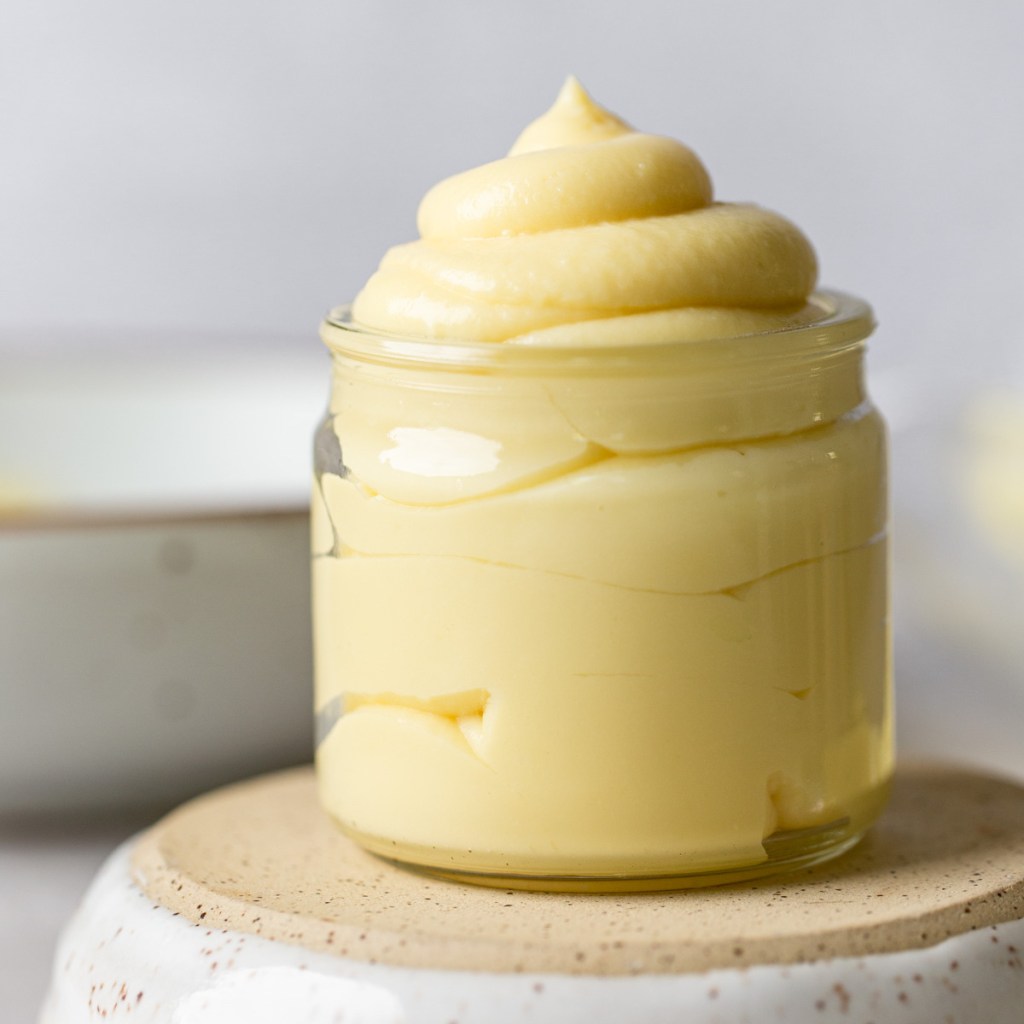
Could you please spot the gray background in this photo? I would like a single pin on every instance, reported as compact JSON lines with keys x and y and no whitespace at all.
{"x":190,"y":169}
{"x":240,"y":166}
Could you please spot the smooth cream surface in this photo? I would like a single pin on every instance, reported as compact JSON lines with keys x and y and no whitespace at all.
{"x":588,"y":221}
{"x":623,"y":620}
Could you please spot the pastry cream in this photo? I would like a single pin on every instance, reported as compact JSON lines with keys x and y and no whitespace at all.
{"x":599,"y":525}
{"x":588,"y":220}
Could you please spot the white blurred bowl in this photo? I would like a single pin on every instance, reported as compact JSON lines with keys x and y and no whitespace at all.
{"x":154,"y":580}
{"x":959,"y":595}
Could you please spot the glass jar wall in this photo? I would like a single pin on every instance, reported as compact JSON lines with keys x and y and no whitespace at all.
{"x":603,"y":618}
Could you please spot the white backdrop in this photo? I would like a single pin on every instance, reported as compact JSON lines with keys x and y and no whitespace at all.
{"x":177,"y":169}
{"x":182,"y":168}
{"x":240,"y":166}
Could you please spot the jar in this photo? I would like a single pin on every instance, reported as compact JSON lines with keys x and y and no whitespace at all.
{"x":600,"y":618}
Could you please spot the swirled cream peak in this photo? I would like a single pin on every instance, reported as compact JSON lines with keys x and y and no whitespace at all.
{"x":576,"y":165}
{"x":589,"y":232}
{"x":574,"y":119}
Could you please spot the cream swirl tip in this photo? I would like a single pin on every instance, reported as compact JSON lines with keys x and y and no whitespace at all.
{"x":585,"y":220}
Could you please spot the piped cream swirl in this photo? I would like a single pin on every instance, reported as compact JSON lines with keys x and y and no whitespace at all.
{"x":587,"y":221}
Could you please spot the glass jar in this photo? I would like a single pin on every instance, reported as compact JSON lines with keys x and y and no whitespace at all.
{"x":603,"y":618}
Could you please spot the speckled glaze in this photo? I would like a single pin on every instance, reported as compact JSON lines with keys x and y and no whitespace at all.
{"x":920,"y":925}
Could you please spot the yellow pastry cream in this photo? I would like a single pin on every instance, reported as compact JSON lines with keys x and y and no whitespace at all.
{"x":599,"y":531}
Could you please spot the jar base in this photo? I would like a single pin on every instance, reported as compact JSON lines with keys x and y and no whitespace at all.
{"x":784,"y":851}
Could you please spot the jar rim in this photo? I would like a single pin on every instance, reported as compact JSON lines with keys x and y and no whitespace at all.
{"x":845,"y":322}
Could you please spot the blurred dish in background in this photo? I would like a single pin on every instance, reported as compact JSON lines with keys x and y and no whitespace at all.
{"x":995,"y":475}
{"x":958,"y":470}
{"x":154,"y":582}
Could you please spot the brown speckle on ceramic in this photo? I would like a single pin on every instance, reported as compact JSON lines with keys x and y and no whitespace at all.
{"x":261,"y":858}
